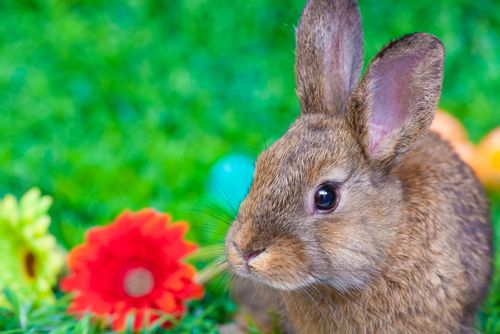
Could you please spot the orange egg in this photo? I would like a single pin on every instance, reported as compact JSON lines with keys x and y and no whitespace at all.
{"x":489,"y":159}
{"x":466,"y":151}
{"x":448,"y":127}
{"x":453,"y":132}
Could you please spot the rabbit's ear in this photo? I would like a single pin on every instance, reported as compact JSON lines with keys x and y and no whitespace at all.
{"x":394,"y":104}
{"x":329,"y":55}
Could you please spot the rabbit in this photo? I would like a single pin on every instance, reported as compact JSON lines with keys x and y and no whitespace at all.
{"x":359,"y":219}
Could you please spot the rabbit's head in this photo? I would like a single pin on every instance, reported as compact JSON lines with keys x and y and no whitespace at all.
{"x":323,"y":204}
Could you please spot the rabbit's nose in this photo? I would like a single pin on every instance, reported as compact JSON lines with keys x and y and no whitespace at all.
{"x":251,"y":254}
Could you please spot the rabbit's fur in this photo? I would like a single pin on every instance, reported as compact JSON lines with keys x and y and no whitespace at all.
{"x":408,"y":248}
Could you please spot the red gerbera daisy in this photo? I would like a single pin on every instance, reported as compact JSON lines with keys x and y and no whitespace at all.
{"x":132,"y":265}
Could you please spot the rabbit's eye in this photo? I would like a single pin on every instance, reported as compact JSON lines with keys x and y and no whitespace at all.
{"x":326,"y":197}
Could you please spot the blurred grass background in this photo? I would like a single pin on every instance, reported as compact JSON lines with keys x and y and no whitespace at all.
{"x":108,"y":104}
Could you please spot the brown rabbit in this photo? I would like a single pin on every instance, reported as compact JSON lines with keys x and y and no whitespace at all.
{"x":360,"y":220}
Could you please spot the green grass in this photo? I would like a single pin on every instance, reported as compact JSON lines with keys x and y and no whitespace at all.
{"x":109,"y":104}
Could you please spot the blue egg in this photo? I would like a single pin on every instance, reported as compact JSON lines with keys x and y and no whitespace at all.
{"x":229,"y":181}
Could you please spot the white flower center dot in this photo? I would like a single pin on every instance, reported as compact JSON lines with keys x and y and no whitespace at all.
{"x":138,"y":282}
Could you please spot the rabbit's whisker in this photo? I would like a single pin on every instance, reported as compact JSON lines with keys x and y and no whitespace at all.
{"x":210,"y":214}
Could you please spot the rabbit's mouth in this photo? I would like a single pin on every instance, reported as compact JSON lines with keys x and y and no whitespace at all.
{"x":284,"y":268}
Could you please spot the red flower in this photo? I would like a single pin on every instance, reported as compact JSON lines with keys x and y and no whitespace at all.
{"x":132,"y":265}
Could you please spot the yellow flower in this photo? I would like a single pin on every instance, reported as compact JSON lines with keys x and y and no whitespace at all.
{"x":29,"y":258}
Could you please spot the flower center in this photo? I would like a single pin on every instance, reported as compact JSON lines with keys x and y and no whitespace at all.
{"x":29,"y":264}
{"x":138,"y":282}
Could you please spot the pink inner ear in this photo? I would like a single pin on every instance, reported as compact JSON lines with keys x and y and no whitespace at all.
{"x":390,"y":97}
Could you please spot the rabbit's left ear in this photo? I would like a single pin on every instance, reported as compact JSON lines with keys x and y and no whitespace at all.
{"x":393,"y":106}
{"x":328,"y":55}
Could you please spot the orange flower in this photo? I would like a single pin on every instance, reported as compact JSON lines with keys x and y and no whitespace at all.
{"x":132,"y":265}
